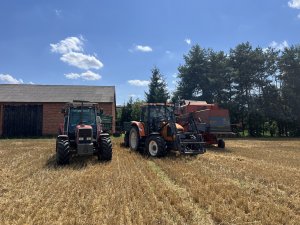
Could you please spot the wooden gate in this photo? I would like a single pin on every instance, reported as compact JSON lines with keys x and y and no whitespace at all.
{"x":22,"y":120}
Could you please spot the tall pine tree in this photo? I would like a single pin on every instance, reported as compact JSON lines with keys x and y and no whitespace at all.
{"x":157,"y":88}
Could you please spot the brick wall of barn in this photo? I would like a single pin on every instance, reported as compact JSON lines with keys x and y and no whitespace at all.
{"x":52,"y":117}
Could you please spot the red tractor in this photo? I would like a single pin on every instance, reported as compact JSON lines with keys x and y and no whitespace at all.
{"x":81,"y":133}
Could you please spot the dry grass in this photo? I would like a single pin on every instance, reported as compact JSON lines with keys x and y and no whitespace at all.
{"x":251,"y":182}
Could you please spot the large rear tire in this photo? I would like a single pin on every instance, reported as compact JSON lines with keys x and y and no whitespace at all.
{"x":134,"y":138}
{"x":156,"y":146}
{"x":62,"y":152}
{"x":105,"y":152}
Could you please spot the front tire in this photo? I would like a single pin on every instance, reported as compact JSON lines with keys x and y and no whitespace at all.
{"x":62,"y":152}
{"x":134,"y":138}
{"x":156,"y":146}
{"x":105,"y":151}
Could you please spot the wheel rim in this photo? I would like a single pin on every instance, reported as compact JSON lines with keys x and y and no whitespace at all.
{"x":153,"y":148}
{"x":133,"y":139}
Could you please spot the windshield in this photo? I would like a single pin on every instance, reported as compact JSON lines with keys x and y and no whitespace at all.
{"x":163,"y":112}
{"x":88,"y":116}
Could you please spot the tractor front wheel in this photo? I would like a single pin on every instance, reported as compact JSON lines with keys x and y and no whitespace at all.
{"x":62,"y":152}
{"x":156,"y":146}
{"x":105,"y":152}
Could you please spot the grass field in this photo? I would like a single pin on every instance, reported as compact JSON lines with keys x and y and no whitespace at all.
{"x":250,"y":182}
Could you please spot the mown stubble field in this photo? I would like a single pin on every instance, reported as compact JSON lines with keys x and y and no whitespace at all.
{"x":250,"y":182}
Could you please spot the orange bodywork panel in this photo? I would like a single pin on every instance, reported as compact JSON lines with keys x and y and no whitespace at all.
{"x":140,"y":126}
{"x":164,"y":132}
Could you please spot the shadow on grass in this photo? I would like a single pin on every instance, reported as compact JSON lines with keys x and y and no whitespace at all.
{"x":76,"y":162}
{"x":215,"y":149}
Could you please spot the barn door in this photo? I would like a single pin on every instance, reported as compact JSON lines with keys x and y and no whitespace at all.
{"x":22,"y":120}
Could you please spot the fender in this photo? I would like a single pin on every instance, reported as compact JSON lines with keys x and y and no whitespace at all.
{"x":140,"y":127}
{"x":62,"y":137}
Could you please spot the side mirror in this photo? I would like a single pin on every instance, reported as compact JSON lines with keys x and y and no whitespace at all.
{"x":98,"y":120}
{"x":63,"y":111}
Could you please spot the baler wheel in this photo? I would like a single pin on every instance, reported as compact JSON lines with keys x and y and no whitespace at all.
{"x":221,"y":143}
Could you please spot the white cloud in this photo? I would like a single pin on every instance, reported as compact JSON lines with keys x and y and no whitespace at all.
{"x":142,"y":48}
{"x":279,"y":46}
{"x":72,"y":76}
{"x":31,"y":82}
{"x":8,"y":79}
{"x":188,"y":41}
{"x":139,"y":82}
{"x":88,"y":75}
{"x":81,"y":60}
{"x":294,"y":4}
{"x":70,"y":44}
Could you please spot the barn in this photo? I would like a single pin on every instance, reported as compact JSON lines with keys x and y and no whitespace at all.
{"x":35,"y":110}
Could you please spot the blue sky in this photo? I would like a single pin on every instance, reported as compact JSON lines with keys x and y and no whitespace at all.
{"x":119,"y":42}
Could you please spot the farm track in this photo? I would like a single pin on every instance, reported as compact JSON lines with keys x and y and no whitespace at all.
{"x":251,"y":182}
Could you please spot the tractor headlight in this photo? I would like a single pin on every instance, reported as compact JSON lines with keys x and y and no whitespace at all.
{"x":80,"y":138}
{"x":89,"y":138}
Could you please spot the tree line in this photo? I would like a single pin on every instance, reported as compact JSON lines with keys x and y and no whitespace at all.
{"x":260,"y":87}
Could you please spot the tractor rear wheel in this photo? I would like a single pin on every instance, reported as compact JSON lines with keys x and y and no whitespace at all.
{"x":134,"y":138}
{"x":221,"y":143}
{"x":156,"y":146}
{"x":105,"y":152}
{"x":62,"y":152}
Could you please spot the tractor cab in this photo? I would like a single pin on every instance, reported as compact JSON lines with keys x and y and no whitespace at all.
{"x":156,"y":116}
{"x":81,"y":118}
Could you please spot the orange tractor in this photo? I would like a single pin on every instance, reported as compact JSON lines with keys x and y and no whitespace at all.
{"x":157,"y":132}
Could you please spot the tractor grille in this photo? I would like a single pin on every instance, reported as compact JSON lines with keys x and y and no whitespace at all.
{"x":85,"y":132}
{"x":85,"y":135}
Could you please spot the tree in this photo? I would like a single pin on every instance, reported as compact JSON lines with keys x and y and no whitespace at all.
{"x":127,"y":111}
{"x":289,"y":64}
{"x":247,"y":63}
{"x":157,"y":88}
{"x":194,"y":83}
{"x":136,"y":109}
